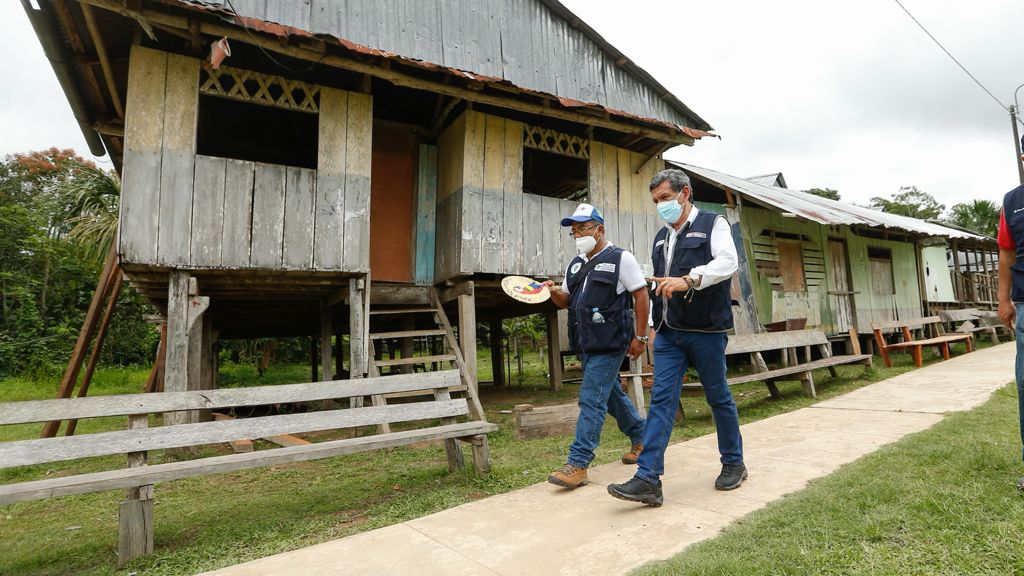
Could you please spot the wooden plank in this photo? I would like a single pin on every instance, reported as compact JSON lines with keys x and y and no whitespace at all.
{"x":359,"y":143}
{"x":237,"y":227}
{"x":426,"y":208}
{"x":907,"y":322}
{"x":329,"y":237}
{"x":475,"y":141}
{"x":551,"y":263}
{"x":358,"y":323}
{"x":512,"y":237}
{"x":543,"y":421}
{"x":407,"y":333}
{"x":299,"y":218}
{"x":625,"y":169}
{"x":238,"y":446}
{"x":208,"y":211}
{"x":467,"y":333}
{"x":533,"y":242}
{"x":470,"y":239}
{"x":513,"y":171}
{"x":125,"y":478}
{"x":181,"y":106}
{"x":566,"y":242}
{"x":494,"y":153}
{"x":25,"y":452}
{"x":176,"y":363}
{"x":610,"y":201}
{"x":268,"y":216}
{"x":451,"y":158}
{"x":143,"y":139}
{"x":595,"y":175}
{"x":492,"y":232}
{"x":744,"y":343}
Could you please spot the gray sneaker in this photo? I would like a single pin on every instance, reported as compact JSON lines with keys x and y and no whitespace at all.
{"x":731,"y":477}
{"x":1020,"y":483}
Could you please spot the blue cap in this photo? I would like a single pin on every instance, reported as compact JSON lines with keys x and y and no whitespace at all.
{"x":583,"y":213}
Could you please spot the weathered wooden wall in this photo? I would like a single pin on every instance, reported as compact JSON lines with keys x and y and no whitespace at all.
{"x":938,"y":277}
{"x":486,"y":224}
{"x":183,"y":210}
{"x":813,"y":301}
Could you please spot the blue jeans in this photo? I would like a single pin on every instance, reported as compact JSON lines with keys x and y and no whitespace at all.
{"x":674,"y":352}
{"x":600,"y":393}
{"x":1019,"y":368}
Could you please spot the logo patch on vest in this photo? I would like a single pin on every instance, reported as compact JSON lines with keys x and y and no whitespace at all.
{"x":605,"y":267}
{"x":575,"y":267}
{"x":659,"y":243}
{"x":696,"y":235}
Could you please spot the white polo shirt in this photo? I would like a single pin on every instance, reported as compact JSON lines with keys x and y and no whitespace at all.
{"x":631,"y":277}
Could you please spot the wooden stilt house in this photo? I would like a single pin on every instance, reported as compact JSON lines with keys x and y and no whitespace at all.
{"x":837,"y":265}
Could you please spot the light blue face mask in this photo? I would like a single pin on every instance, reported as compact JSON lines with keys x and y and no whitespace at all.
{"x":670,"y":210}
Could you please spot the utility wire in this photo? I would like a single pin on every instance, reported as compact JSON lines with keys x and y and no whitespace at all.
{"x":962,"y":67}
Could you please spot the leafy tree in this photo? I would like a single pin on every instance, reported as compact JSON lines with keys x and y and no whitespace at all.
{"x":910,"y":201}
{"x":825,"y":193}
{"x":981,"y":216}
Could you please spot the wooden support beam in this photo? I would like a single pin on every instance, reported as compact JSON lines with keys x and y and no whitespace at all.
{"x":358,"y":328}
{"x":326,"y":348}
{"x":467,"y":332}
{"x":135,"y":516}
{"x":554,"y":352}
{"x":156,"y":375}
{"x":466,"y":288}
{"x":67,"y":382}
{"x":176,"y":364}
{"x":101,"y":51}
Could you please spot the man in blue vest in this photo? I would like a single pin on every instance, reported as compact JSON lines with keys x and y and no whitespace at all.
{"x":1011,"y":284}
{"x":694,"y":259}
{"x":602,"y":287}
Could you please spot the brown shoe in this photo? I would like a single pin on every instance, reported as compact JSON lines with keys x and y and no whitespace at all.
{"x":569,"y":476}
{"x":634,"y":453}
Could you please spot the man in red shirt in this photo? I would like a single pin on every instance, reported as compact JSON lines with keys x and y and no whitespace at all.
{"x":1011,"y":284}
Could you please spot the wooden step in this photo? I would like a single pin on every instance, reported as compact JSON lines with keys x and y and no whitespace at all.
{"x":415,"y":360}
{"x":407,"y":334}
{"x":403,"y":311}
{"x":461,"y":388}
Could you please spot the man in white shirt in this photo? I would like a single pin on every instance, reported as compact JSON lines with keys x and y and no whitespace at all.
{"x":603,"y":285}
{"x":694,"y":258}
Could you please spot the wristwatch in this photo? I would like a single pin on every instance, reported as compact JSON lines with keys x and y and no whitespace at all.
{"x":643,"y":339}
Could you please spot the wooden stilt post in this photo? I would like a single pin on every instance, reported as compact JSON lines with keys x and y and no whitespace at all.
{"x":467,"y":332}
{"x":155,"y":381}
{"x":636,"y":386}
{"x":554,"y":352}
{"x":497,"y":353}
{"x":406,"y":345}
{"x":176,"y":364}
{"x":197,"y":327}
{"x":314,"y":360}
{"x":326,"y":347}
{"x":358,"y":331}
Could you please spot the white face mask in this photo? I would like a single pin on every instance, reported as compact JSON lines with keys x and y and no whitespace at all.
{"x":584,"y":244}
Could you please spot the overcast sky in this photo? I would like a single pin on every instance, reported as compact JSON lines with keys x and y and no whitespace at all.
{"x":845,"y":95}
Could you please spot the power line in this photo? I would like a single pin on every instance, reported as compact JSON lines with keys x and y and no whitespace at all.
{"x":962,"y":67}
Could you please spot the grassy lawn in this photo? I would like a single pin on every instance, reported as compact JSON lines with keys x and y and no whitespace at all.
{"x":206,"y":523}
{"x":942,"y":501}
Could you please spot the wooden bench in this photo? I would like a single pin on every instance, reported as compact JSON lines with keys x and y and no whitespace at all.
{"x":972,"y":321}
{"x":941,"y":340}
{"x":433,"y":405}
{"x":791,"y":367}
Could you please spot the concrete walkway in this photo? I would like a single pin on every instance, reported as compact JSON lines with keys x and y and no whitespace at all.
{"x":543,"y":529}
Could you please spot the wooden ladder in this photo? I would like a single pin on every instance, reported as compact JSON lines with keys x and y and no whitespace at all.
{"x":427,"y":326}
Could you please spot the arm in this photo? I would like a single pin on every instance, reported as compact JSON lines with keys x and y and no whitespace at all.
{"x":1007,"y":311}
{"x":641,"y":307}
{"x":724,"y":260}
{"x":559,"y":296}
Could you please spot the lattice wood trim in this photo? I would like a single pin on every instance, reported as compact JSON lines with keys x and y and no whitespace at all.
{"x":249,"y":86}
{"x":556,"y":142}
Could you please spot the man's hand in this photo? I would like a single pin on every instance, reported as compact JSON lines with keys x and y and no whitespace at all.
{"x":558,"y":296}
{"x":668,"y":285}
{"x":1008,"y":314}
{"x":636,"y":348}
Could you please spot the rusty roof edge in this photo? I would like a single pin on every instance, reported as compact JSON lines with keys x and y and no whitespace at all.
{"x":843,"y":213}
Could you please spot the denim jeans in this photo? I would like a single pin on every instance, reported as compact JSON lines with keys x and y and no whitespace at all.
{"x":1019,"y":369}
{"x":674,"y":352}
{"x":600,"y":393}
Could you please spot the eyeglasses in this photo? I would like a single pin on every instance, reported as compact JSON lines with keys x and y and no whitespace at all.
{"x":574,"y":233}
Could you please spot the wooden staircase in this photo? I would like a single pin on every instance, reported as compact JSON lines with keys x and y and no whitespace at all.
{"x":413,"y":337}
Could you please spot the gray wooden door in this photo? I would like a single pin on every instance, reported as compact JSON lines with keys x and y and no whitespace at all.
{"x":883,"y":290}
{"x":840,"y":294}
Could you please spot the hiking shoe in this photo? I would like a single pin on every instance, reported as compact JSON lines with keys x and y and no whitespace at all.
{"x":1020,"y":484}
{"x":638,"y":490}
{"x":731,"y":477}
{"x":634,"y":453}
{"x":569,"y":476}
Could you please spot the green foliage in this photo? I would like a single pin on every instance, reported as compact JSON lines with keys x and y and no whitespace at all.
{"x":825,"y":193}
{"x":981,"y":216}
{"x":910,"y":201}
{"x":58,"y":215}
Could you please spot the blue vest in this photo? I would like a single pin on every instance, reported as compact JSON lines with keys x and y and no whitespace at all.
{"x":599,"y":292}
{"x":710,"y":310}
{"x":1013,"y":213}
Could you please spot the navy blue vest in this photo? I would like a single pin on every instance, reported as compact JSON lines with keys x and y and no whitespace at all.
{"x":1013,"y":212}
{"x":710,"y":310}
{"x":599,"y":292}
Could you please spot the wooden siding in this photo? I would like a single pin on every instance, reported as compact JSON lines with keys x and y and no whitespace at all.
{"x":619,"y":179}
{"x":486,"y":224}
{"x":183,"y":210}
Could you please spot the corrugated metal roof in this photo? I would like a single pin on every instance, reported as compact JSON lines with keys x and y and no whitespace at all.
{"x":821,"y":210}
{"x":774,"y":179}
{"x":538,"y":44}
